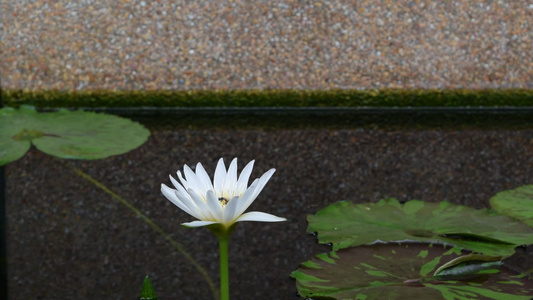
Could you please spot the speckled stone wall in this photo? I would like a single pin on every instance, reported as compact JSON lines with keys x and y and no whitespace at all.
{"x":255,"y":44}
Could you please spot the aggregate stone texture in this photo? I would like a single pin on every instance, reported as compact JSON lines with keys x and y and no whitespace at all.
{"x":255,"y":44}
{"x":67,"y":239}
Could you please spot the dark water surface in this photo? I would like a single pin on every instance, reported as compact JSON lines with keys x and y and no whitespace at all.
{"x":67,"y":239}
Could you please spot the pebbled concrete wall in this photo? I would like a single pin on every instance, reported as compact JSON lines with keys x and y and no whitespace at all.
{"x":202,"y":44}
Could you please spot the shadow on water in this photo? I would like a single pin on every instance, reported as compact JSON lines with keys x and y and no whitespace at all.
{"x":333,"y":118}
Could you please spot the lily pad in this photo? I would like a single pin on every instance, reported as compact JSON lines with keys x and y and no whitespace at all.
{"x":517,"y":203}
{"x":67,"y":134}
{"x":345,"y":224}
{"x":391,"y":271}
{"x":11,"y":121}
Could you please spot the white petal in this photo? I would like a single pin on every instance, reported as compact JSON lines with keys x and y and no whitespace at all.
{"x":198,"y":223}
{"x":259,"y":217}
{"x":220,"y":176}
{"x":260,"y":185}
{"x":184,"y":196}
{"x":190,"y":203}
{"x":204,"y":178}
{"x":193,"y":180}
{"x":244,"y":199}
{"x":182,"y":193}
{"x":231,"y":179}
{"x":174,"y":182}
{"x":242,"y":183}
{"x":202,"y":206}
{"x":231,"y":209}
{"x":183,"y":181}
{"x":263,"y":180}
{"x":170,"y":194}
{"x":214,"y":205}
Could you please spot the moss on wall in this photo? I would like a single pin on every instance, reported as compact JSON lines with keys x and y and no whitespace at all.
{"x":271,"y":98}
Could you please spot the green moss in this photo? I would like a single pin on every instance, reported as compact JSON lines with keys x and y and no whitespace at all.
{"x":271,"y":98}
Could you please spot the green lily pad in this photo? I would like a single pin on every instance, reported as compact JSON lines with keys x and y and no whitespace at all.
{"x":67,"y":134}
{"x":517,"y":203}
{"x":391,"y":271}
{"x":10,"y":151}
{"x":11,"y":121}
{"x":345,"y":224}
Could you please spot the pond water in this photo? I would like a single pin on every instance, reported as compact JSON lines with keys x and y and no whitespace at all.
{"x":68,"y":239}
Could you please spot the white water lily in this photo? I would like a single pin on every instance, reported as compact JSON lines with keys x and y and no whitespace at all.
{"x":222,"y":202}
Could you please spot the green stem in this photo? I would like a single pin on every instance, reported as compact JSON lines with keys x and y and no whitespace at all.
{"x":154,"y":226}
{"x":224,"y":269}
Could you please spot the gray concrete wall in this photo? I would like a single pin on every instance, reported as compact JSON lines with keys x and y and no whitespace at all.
{"x":254,"y":44}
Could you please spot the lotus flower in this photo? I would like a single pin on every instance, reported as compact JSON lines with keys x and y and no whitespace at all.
{"x":222,"y":202}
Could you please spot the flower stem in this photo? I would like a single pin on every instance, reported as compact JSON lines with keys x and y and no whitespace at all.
{"x":224,"y":269}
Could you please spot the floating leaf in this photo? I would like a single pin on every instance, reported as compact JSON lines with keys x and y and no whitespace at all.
{"x":10,"y":151}
{"x":517,"y":203}
{"x":11,"y":122}
{"x":345,"y":224}
{"x":66,"y":134}
{"x":148,"y":292}
{"x":391,"y":271}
